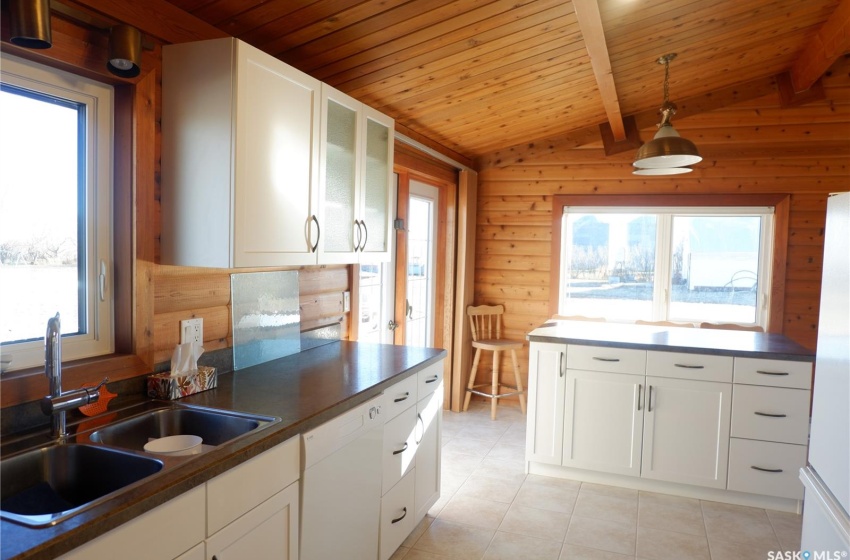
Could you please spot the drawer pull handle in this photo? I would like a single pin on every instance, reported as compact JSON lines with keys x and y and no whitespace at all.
{"x":762,"y":469}
{"x":402,"y":450}
{"x":436,"y":377}
{"x":403,"y":515}
{"x":686,"y":366}
{"x":606,"y":359}
{"x":769,"y":415}
{"x":772,"y":372}
{"x":404,"y":398}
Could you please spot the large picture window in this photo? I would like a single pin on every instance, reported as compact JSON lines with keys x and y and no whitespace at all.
{"x":55,"y":212}
{"x":666,"y":263}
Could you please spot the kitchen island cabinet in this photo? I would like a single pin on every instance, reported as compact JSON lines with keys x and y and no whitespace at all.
{"x":652,"y":408}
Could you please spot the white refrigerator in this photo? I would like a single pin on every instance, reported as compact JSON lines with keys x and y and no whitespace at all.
{"x":826,"y":523}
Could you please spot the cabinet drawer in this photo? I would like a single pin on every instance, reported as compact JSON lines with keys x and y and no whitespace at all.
{"x":429,"y":379}
{"x":397,"y":515}
{"x":399,"y":447}
{"x":762,"y":467}
{"x":681,"y":365}
{"x":400,"y":396}
{"x":246,"y":486}
{"x":771,"y":414}
{"x":602,"y":358}
{"x":773,"y":373}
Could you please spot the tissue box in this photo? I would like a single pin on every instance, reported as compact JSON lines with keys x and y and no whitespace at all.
{"x":163,"y":386}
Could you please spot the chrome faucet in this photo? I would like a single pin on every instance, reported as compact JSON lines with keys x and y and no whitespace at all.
{"x":56,"y":403}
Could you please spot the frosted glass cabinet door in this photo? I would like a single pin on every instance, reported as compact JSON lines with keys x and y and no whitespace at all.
{"x":339,"y":171}
{"x":377,"y":199}
{"x":276,"y":153}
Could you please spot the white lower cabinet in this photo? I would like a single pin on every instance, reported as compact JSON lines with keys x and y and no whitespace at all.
{"x":397,"y":515}
{"x":602,"y":430}
{"x":164,"y":532}
{"x":546,"y":388}
{"x":686,"y":431}
{"x":717,"y":422}
{"x":267,"y":532}
{"x":411,"y":455}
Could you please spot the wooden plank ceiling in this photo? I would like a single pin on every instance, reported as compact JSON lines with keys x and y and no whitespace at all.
{"x":481,"y":75}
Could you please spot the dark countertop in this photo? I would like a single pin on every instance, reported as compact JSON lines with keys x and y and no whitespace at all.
{"x":304,"y":390}
{"x":673,"y":339}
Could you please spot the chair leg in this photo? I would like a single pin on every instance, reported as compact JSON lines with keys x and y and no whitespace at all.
{"x":471,"y":379}
{"x":518,"y":381}
{"x":495,"y":400}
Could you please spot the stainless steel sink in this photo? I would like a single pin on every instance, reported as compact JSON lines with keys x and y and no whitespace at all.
{"x":43,"y":486}
{"x":213,"y":426}
{"x":43,"y":482}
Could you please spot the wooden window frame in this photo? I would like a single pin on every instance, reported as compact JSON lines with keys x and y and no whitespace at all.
{"x":134,"y":172}
{"x":781,"y":204}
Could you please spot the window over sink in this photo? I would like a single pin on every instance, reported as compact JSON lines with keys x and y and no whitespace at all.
{"x":55,"y":212}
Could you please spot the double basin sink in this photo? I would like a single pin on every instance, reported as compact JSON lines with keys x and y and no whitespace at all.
{"x":44,"y":484}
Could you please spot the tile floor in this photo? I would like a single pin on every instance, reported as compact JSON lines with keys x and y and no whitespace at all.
{"x":490,"y":509}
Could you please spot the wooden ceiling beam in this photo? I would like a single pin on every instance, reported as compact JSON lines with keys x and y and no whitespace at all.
{"x":700,"y":104}
{"x":155,"y":18}
{"x":831,"y":41}
{"x":590,"y":22}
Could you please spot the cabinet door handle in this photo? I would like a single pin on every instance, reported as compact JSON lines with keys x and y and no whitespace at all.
{"x":561,"y":364}
{"x":315,"y":247}
{"x":769,"y":415}
{"x":649,"y":404}
{"x":402,"y":450}
{"x":772,"y":372}
{"x":359,"y":235}
{"x":432,"y":379}
{"x":404,"y":398}
{"x":365,"y":235}
{"x":598,"y":359}
{"x":640,"y":387}
{"x":762,"y":469}
{"x":420,"y":422}
{"x":686,"y":366}
{"x":403,"y":515}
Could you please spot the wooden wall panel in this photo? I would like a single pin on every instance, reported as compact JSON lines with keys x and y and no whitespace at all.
{"x":812,"y":145}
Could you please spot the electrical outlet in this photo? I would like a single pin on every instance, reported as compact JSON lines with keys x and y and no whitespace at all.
{"x":346,"y":302}
{"x":192,"y":330}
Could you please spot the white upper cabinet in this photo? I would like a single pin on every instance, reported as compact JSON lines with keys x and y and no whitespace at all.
{"x":240,"y":145}
{"x":263,"y":165}
{"x":355,"y":170}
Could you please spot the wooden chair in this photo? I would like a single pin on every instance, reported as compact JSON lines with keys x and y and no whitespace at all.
{"x":664,"y":323}
{"x":731,"y":327}
{"x":485,"y":321}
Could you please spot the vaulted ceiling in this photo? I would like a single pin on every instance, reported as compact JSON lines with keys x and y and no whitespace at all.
{"x":481,"y":75}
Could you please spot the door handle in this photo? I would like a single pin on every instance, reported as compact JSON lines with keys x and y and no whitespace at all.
{"x":365,"y":235}
{"x":640,"y":388}
{"x":315,"y":247}
{"x":649,"y":404}
{"x":392,"y":325}
{"x":409,"y":313}
{"x":359,"y":234}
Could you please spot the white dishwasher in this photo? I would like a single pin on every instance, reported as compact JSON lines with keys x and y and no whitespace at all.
{"x":341,"y":485}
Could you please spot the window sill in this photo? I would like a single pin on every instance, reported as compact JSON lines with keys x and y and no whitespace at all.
{"x":30,"y":384}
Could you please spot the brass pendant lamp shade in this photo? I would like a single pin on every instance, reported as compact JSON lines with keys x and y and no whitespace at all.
{"x":29,"y":23}
{"x":125,"y":51}
{"x":667,"y":153}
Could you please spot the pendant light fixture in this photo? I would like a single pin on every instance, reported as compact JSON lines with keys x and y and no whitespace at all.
{"x":125,"y":51}
{"x":29,"y":24}
{"x":667,"y":153}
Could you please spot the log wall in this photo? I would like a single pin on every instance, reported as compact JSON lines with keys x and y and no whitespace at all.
{"x":752,"y":147}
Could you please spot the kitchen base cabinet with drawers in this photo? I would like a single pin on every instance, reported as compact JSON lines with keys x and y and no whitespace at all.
{"x":700,"y":425}
{"x":249,"y":511}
